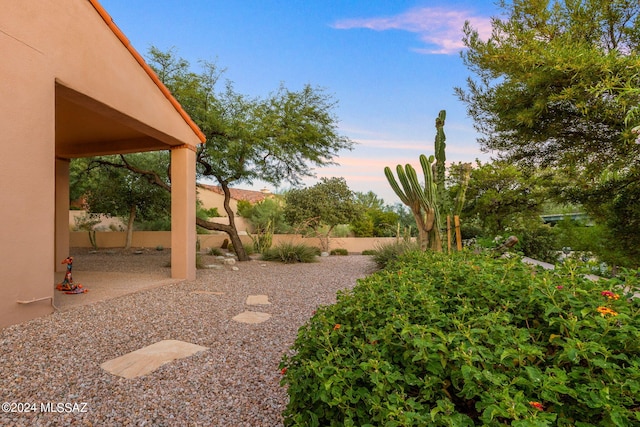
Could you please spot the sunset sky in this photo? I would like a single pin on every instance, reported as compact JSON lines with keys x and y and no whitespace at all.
{"x":391,"y":65}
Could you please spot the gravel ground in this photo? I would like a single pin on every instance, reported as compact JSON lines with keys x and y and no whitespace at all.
{"x":55,"y":359}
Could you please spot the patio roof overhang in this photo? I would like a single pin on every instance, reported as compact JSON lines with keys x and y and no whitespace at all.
{"x":86,"y":127}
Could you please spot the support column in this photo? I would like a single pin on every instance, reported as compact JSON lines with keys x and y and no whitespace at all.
{"x":183,"y":212}
{"x":61,"y":213}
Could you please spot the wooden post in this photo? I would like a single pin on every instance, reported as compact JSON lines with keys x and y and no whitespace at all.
{"x":456,"y":221}
{"x":448,"y":233}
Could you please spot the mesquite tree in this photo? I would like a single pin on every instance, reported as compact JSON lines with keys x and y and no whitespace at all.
{"x":275,"y":139}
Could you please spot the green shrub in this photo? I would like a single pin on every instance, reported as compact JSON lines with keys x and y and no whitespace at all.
{"x":215,"y":252}
{"x":389,"y":252}
{"x":248,"y":248}
{"x":467,"y":340}
{"x":339,"y":251}
{"x":199,"y":261}
{"x":538,"y":241}
{"x":341,"y":230}
{"x":369,"y":252}
{"x":290,"y":253}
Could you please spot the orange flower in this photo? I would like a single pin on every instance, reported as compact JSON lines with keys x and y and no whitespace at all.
{"x":606,"y":310}
{"x":283,"y":371}
{"x":537,"y":405}
{"x":336,"y":327}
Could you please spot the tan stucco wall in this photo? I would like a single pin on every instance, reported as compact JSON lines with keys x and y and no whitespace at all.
{"x":50,"y":49}
{"x":27,"y":177}
{"x":153,"y":239}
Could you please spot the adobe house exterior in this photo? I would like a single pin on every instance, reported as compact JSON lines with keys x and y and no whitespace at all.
{"x":72,"y":86}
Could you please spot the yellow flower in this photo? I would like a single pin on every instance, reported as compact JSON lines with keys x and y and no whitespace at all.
{"x":606,"y":310}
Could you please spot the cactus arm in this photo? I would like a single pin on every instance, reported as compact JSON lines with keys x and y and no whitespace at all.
{"x":395,"y":186}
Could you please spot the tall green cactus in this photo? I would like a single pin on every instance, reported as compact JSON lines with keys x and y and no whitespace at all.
{"x":422,"y":200}
{"x":439,"y":146}
{"x":465,"y":176}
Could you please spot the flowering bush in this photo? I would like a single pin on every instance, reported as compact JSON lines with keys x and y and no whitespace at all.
{"x":466,"y":340}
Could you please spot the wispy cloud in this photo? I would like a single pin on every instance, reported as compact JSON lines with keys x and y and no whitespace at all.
{"x":438,"y":28}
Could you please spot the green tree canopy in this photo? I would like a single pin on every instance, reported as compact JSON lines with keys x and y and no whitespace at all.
{"x":320,"y":208}
{"x":534,"y":99}
{"x":119,"y":191}
{"x":376,"y":220}
{"x":501,"y":195}
{"x":279,"y":138}
{"x":554,"y":86}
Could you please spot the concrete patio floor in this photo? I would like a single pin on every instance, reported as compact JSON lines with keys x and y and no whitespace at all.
{"x":104,"y":285}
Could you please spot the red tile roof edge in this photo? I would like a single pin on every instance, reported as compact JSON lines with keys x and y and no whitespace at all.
{"x":109,"y":21}
{"x":237,"y":193}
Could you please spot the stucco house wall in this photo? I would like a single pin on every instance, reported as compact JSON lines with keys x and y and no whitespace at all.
{"x":72,"y":86}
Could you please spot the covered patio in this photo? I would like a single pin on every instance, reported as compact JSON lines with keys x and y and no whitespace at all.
{"x":73,"y":86}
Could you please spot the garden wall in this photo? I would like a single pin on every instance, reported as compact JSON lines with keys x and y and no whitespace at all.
{"x":152,"y":239}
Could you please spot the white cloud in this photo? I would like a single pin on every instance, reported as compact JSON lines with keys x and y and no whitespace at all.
{"x":439,"y":28}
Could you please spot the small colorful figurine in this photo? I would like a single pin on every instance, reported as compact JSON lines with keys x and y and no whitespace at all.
{"x":67,"y":285}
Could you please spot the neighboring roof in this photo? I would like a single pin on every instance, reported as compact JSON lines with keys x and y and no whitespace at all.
{"x":109,"y":21}
{"x":250,"y":196}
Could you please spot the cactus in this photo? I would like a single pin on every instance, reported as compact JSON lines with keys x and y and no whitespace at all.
{"x":421,"y":200}
{"x":439,"y":146}
{"x":465,"y":175}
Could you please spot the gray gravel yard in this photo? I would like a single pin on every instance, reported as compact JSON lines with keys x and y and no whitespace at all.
{"x":56,"y":359}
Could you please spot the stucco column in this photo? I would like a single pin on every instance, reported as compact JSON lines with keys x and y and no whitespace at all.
{"x":61,"y":214}
{"x":183,"y":212}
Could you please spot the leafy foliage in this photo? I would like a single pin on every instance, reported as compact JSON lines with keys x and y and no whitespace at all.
{"x":290,"y":253}
{"x":339,"y":251}
{"x":557,"y":85}
{"x":111,"y":188}
{"x":377,"y":219}
{"x":387,"y":253}
{"x":275,"y":139}
{"x":500,"y":195}
{"x":320,"y":208}
{"x":466,"y":340}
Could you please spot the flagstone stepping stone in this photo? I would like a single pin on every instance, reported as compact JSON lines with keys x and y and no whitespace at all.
{"x":206,"y":293}
{"x":252,"y":317}
{"x":258,"y":300}
{"x":148,"y":359}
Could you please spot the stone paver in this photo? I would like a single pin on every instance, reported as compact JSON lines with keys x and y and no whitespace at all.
{"x":252,"y":317}
{"x":206,"y":293}
{"x":258,"y":300}
{"x":148,"y":359}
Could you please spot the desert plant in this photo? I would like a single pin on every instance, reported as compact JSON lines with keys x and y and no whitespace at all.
{"x":421,"y":200}
{"x":290,"y":253}
{"x":248,"y":248}
{"x":215,"y":252}
{"x":263,"y":239}
{"x":87,"y":222}
{"x":339,"y":251}
{"x":468,"y":340}
{"x":389,"y":252}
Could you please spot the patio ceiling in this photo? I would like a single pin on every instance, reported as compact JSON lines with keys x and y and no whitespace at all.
{"x":86,"y":127}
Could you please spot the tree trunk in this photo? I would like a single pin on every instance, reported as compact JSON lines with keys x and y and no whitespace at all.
{"x":132,"y":217}
{"x":229,"y":229}
{"x":231,"y":232}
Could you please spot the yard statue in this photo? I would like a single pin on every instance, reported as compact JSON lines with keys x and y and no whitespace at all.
{"x":67,"y":285}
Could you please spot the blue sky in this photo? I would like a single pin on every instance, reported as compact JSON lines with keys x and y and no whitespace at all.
{"x":391,"y":65}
